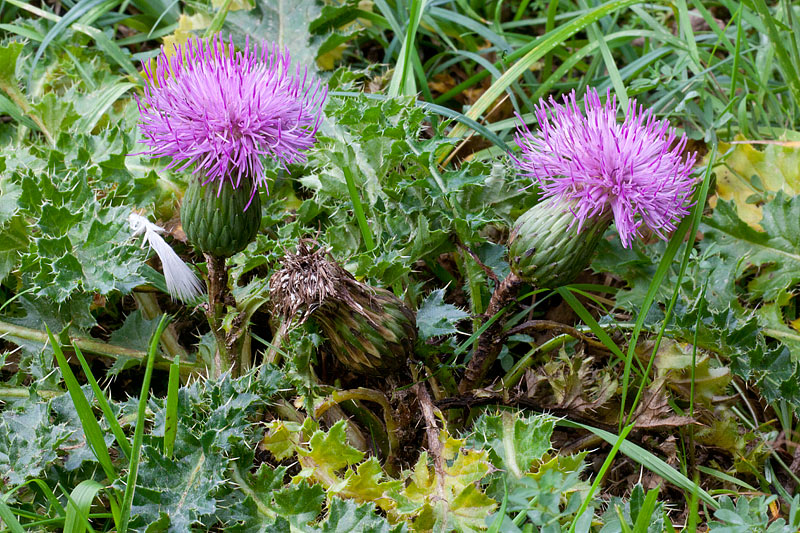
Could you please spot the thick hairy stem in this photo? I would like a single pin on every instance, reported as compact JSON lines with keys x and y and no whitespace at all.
{"x":435,"y":445}
{"x":217,"y":291}
{"x":491,"y":341}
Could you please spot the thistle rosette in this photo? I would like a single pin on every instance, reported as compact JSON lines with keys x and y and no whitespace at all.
{"x":592,"y":170}
{"x":369,"y":329}
{"x":221,"y":112}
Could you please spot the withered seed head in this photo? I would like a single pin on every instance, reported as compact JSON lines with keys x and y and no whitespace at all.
{"x":308,"y":280}
{"x":369,"y":329}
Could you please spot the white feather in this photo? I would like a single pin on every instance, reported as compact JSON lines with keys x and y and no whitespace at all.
{"x":182,"y":283}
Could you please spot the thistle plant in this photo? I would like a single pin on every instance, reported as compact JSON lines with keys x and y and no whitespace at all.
{"x":220,"y":112}
{"x":591,"y":170}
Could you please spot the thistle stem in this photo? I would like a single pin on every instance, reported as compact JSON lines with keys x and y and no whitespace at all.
{"x":369,"y":395}
{"x":217,"y":292}
{"x":435,"y":445}
{"x":491,"y":341}
{"x":87,"y":345}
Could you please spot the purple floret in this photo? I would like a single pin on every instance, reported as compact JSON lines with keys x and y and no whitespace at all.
{"x":631,"y":171}
{"x":223,"y":110}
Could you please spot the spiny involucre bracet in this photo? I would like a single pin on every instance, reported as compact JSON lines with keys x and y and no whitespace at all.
{"x":632,"y":170}
{"x":222,"y":110}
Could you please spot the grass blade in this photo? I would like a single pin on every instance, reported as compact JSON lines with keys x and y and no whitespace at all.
{"x":726,"y":478}
{"x":103,"y":100}
{"x":600,"y":475}
{"x":403,"y":77}
{"x":116,"y":429}
{"x":63,"y":23}
{"x":788,"y":69}
{"x":646,"y":511}
{"x":55,"y":505}
{"x":94,"y":435}
{"x":647,"y":460}
{"x":138,"y":434}
{"x":110,"y":48}
{"x":9,"y":519}
{"x":7,"y":107}
{"x":541,"y":47}
{"x":171,"y":420}
{"x":79,"y":503}
{"x":501,"y":514}
{"x":218,"y":20}
{"x":589,"y":320}
{"x":358,"y":207}
{"x":28,"y":33}
{"x":691,"y":223}
{"x":613,"y":72}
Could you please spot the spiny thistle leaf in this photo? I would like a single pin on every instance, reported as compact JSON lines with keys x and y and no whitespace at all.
{"x":369,"y":484}
{"x":435,"y":317}
{"x":770,"y":254}
{"x":184,"y":488}
{"x":29,"y":442}
{"x":515,"y":441}
{"x":450,"y":500}
{"x":773,"y":369}
{"x":302,"y":502}
{"x":347,"y":517}
{"x":330,"y":451}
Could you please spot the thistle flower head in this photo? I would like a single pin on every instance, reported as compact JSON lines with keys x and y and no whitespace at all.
{"x":223,"y":110}
{"x":632,"y":170}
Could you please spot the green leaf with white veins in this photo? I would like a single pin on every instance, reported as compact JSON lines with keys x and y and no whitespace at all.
{"x":29,"y":442}
{"x":345,"y":516}
{"x":514,"y":441}
{"x":183,"y":488}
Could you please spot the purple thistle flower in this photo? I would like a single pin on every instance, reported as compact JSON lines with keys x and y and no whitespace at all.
{"x":223,"y":110}
{"x":631,"y":171}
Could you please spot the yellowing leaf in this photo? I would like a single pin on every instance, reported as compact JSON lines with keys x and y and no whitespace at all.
{"x":451,"y":501}
{"x":187,"y":24}
{"x":328,"y":60}
{"x":368,"y":484}
{"x":281,"y":439}
{"x":674,"y":363}
{"x":777,"y":167}
{"x":330,"y":450}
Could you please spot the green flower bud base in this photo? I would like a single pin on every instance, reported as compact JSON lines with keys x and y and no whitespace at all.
{"x":545,"y":248}
{"x":377,"y":338}
{"x":218,"y":224}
